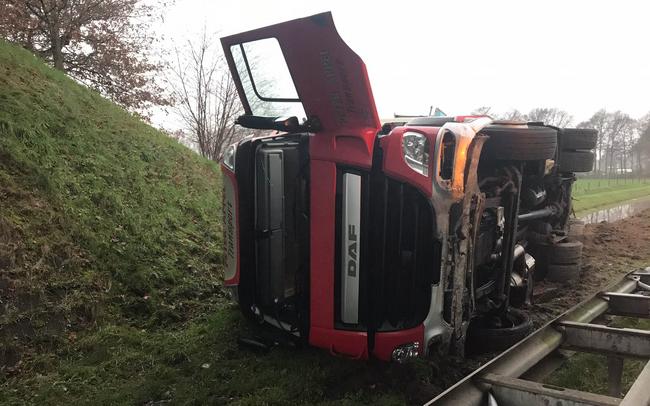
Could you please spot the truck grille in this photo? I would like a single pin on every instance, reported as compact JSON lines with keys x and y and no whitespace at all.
{"x":399,"y":256}
{"x":406,"y":256}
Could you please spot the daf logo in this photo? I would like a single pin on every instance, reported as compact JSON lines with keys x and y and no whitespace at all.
{"x":352,"y":251}
{"x":350,"y":246}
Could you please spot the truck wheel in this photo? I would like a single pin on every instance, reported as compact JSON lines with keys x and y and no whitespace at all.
{"x":549,"y":256}
{"x":576,"y":161}
{"x":519,"y":142}
{"x":491,"y":334}
{"x":578,"y":138}
{"x":565,"y":252}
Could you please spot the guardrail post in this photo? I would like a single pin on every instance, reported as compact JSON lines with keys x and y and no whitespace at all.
{"x":614,"y":375}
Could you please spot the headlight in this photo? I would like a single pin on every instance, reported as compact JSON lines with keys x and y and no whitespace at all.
{"x":229,"y":157}
{"x":415,"y":148}
{"x":405,"y":352}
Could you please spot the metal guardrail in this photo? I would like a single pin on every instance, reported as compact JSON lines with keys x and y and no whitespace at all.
{"x":510,"y":378}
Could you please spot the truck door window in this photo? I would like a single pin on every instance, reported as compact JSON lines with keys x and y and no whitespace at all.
{"x":266,"y":79}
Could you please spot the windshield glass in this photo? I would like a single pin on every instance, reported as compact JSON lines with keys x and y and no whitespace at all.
{"x":266,"y":79}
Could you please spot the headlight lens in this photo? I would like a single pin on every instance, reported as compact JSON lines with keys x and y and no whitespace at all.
{"x":415,"y":148}
{"x":229,"y":157}
{"x":405,"y":352}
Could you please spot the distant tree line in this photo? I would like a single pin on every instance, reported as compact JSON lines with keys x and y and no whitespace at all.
{"x":623,"y":142}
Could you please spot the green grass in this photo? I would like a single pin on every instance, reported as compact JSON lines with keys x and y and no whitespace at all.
{"x":588,"y":372}
{"x":592,"y":194}
{"x":110,"y":268}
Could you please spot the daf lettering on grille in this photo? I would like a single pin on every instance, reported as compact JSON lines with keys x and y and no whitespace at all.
{"x":350,"y":249}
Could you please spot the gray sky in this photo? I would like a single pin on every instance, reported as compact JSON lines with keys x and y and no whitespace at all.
{"x":579,"y":56}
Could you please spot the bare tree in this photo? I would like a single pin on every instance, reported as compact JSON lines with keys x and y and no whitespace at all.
{"x":205,"y":97}
{"x":101,"y":43}
{"x":617,"y":136}
{"x":481,"y":111}
{"x":514,"y":115}
{"x":642,"y":146}
{"x":550,"y":116}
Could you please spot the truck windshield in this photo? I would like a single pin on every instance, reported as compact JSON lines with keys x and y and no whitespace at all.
{"x":266,"y":79}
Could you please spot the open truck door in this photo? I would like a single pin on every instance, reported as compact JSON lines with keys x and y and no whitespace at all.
{"x":303,"y":69}
{"x":300,"y":77}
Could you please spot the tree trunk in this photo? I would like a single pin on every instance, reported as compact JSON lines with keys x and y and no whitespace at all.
{"x":56,"y":45}
{"x":57,"y":58}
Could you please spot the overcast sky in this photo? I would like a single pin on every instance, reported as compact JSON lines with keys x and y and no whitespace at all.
{"x":579,"y":56}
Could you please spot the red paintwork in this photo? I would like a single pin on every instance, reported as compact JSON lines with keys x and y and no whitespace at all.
{"x":332,"y":84}
{"x":331,"y":81}
{"x":385,"y":343}
{"x":231,"y":176}
{"x":351,"y":344}
{"x":322,"y":333}
{"x":394,"y":165}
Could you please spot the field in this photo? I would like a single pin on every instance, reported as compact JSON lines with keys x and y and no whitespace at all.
{"x":591,"y":194}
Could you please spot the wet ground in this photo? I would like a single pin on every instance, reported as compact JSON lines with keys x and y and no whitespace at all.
{"x":618,"y":212}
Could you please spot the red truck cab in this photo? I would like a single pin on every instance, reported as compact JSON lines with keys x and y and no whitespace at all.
{"x":365,"y":240}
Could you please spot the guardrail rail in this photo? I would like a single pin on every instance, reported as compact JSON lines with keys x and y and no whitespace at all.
{"x":513,"y":377}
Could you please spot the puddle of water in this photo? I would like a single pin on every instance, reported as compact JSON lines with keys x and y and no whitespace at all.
{"x":619,"y":212}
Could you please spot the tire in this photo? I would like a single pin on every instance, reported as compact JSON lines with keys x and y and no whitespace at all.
{"x":563,"y":273}
{"x":482,"y":337}
{"x":576,"y":161}
{"x":548,"y":256}
{"x":520,"y":142}
{"x":578,"y":138}
{"x":565,"y":253}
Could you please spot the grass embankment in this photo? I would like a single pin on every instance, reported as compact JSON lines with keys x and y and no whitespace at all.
{"x":592,"y":194}
{"x":110,"y":283}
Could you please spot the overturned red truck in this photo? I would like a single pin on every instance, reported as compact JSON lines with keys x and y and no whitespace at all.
{"x":391,"y":240}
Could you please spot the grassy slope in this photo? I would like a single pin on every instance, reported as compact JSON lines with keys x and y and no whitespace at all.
{"x":591,"y":194}
{"x":109,"y":278}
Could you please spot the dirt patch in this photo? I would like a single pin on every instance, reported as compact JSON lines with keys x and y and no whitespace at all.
{"x":610,"y":251}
